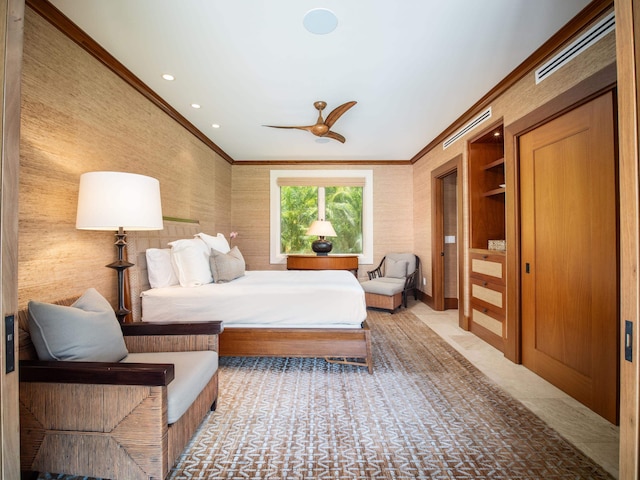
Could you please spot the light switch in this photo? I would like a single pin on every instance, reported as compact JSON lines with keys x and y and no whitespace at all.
{"x":449,"y":239}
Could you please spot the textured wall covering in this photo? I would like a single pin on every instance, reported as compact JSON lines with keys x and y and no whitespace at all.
{"x":517,"y":101}
{"x":78,"y":116}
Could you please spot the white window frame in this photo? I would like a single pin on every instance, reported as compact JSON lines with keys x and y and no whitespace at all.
{"x":366,"y":257}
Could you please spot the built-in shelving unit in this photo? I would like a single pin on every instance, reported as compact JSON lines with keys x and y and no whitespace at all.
{"x":487,"y":275}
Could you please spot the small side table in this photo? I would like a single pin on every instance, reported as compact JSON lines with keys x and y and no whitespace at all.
{"x":323,"y":262}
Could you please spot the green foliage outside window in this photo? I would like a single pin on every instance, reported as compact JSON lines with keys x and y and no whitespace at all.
{"x":344,"y":211}
{"x":299,"y":208}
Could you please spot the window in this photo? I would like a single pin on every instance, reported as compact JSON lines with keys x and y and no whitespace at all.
{"x":344,"y":197}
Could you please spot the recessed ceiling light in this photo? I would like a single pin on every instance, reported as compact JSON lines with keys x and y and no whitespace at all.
{"x":215,"y":125}
{"x":168,"y":76}
{"x":195,"y":105}
{"x":320,"y":21}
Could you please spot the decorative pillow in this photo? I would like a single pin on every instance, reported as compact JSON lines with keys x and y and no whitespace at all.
{"x":395,"y":268}
{"x":160,"y":269}
{"x":226,"y":266}
{"x":190,"y":259}
{"x":87,"y":331}
{"x":219,"y":242}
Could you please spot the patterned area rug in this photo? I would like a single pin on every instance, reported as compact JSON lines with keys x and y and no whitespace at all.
{"x":425,"y":413}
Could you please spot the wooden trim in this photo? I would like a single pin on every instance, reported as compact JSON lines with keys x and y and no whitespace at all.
{"x":581,"y":93}
{"x":213,"y":327}
{"x":298,"y":342}
{"x":98,"y":373}
{"x":437,"y":230}
{"x":77,"y":35}
{"x":12,"y":44}
{"x":176,"y":219}
{"x":590,"y":13}
{"x":628,"y":64}
{"x":362,"y":163}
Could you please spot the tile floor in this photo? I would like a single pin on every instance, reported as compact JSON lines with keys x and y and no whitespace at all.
{"x":589,"y":432}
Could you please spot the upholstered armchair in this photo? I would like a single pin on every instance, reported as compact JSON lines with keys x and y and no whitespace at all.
{"x":391,"y":281}
{"x":127,"y":419}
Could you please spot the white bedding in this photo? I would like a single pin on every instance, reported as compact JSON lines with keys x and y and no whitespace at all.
{"x":264,"y":298}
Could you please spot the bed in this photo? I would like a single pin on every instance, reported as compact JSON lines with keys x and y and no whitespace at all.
{"x":265,"y":313}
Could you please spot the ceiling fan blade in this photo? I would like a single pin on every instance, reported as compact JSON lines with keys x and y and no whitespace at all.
{"x":307,"y":128}
{"x":337,"y":112}
{"x":335,"y":136}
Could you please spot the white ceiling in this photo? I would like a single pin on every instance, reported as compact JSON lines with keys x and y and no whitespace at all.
{"x":413,"y":66}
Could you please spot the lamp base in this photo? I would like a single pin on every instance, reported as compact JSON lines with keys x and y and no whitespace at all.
{"x":321,"y":246}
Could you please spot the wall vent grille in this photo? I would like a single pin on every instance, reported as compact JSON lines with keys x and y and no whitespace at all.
{"x":592,"y":36}
{"x":467,"y":128}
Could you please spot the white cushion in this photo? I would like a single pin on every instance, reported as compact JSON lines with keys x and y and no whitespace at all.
{"x":395,"y":268}
{"x":409,"y":257}
{"x":87,"y":331}
{"x":219,"y":242}
{"x":193,"y":370}
{"x":383,"y":286}
{"x":160,"y":268}
{"x":190,"y":259}
{"x":226,"y":266}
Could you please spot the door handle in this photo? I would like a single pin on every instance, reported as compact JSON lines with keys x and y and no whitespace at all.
{"x":527,"y":268}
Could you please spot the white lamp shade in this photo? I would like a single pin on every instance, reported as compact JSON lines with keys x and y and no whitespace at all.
{"x":321,"y":228}
{"x":110,"y":200}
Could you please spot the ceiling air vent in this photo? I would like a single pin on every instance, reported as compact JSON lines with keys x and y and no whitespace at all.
{"x":595,"y":33}
{"x":467,"y":128}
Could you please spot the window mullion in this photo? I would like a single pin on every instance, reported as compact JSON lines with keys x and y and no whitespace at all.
{"x":321,"y":204}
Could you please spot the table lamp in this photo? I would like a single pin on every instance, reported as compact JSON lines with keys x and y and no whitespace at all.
{"x":321,"y":228}
{"x":119,"y":201}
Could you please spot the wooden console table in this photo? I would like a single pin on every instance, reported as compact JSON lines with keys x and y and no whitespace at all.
{"x":320,"y":262}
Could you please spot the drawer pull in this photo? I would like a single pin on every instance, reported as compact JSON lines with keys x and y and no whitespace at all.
{"x":485,"y":310}
{"x":485,"y":256}
{"x":484,"y":284}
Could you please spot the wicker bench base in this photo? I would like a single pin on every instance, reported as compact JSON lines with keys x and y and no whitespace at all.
{"x":387,"y":302}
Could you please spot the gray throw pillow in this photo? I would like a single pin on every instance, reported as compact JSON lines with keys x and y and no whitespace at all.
{"x":226,"y":266}
{"x":395,"y":268}
{"x":87,"y":331}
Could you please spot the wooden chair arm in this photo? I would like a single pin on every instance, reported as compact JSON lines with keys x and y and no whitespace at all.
{"x":411,"y":279}
{"x":375,"y":273}
{"x":101,"y":373}
{"x":173,"y":328}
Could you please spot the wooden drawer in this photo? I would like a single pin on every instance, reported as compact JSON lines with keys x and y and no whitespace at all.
{"x":488,"y":295}
{"x":488,"y":266}
{"x":487,"y":325}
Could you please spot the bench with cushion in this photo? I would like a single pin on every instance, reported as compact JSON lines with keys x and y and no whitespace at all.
{"x":110,"y":400}
{"x":391,"y":281}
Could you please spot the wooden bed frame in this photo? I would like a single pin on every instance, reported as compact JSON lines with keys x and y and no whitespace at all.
{"x":350,"y":346}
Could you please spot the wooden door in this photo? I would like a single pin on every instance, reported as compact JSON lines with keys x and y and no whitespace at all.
{"x":569,"y":254}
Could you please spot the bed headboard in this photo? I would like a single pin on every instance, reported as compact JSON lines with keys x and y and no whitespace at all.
{"x":137,"y":244}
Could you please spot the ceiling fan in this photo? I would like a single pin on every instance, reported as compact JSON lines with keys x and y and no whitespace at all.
{"x":322,"y":128}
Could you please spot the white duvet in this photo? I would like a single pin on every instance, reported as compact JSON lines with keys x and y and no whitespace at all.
{"x":264,"y":298}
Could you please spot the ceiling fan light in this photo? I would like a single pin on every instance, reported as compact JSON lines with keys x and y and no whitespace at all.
{"x":320,"y":21}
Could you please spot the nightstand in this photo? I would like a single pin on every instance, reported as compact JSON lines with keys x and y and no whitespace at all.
{"x":323,"y":262}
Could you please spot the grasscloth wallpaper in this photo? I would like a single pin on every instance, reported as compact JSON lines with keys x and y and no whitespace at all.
{"x":78,"y":116}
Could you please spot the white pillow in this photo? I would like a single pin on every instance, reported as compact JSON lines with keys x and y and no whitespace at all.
{"x":190,"y":259}
{"x":219,"y":242}
{"x":160,"y":269}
